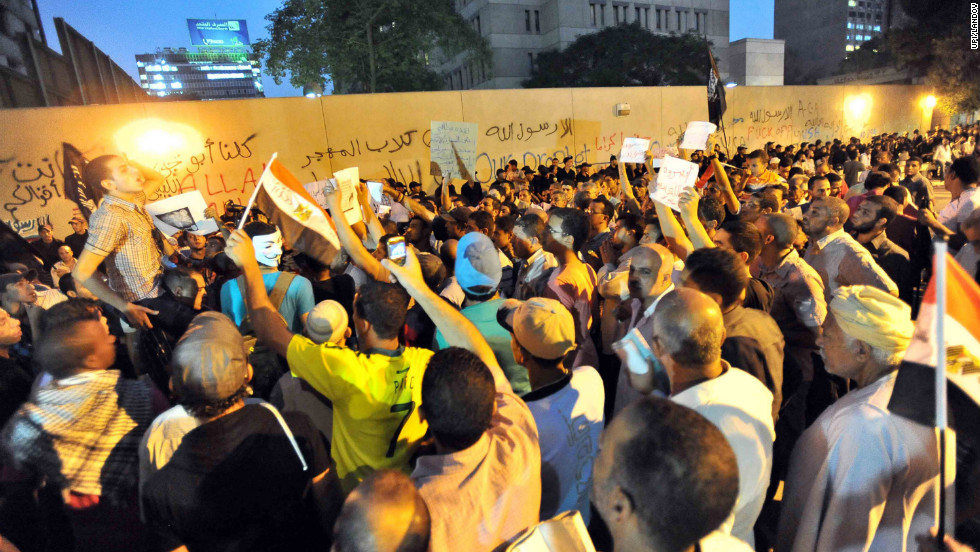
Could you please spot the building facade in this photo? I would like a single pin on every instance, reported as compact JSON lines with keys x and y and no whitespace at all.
{"x":518,"y":30}
{"x":756,"y":62}
{"x":216,"y":74}
{"x":18,"y":17}
{"x":819,"y":35}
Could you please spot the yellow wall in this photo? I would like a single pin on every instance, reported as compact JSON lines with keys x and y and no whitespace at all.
{"x":219,"y":148}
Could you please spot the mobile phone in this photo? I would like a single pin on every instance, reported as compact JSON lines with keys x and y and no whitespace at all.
{"x":397,"y":249}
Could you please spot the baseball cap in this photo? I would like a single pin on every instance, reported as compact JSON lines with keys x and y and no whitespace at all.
{"x":9,"y":279}
{"x":459,"y":215}
{"x":210,"y":362}
{"x":29,"y":274}
{"x":477,"y":264}
{"x":327,"y":322}
{"x":542,"y":326}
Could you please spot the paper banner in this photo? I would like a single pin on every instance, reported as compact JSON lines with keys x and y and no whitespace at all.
{"x":696,"y":135}
{"x":634,"y":150}
{"x":182,"y":212}
{"x":675,"y":175}
{"x":445,"y":135}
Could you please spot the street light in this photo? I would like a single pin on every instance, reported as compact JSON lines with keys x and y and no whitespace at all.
{"x":930,"y":101}
{"x":313,"y":90}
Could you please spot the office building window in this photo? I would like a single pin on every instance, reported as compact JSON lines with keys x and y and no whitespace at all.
{"x":537,"y":21}
{"x":679,"y":27}
{"x":527,"y":20}
{"x":595,"y":14}
{"x":618,"y":15}
{"x":530,"y":62}
{"x":660,"y":18}
{"x":645,"y":20}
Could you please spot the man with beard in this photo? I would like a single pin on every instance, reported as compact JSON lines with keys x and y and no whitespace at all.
{"x":835,"y":255}
{"x":869,"y":223}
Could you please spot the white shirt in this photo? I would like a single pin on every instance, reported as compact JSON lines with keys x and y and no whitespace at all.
{"x":162,"y":438}
{"x":569,"y":417}
{"x":741,"y":407}
{"x":958,"y":209}
{"x":539,"y":262}
{"x":822,"y":242}
{"x":860,"y":478}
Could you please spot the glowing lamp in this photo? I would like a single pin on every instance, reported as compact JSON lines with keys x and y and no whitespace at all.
{"x":929,"y":102}
{"x":153,"y":140}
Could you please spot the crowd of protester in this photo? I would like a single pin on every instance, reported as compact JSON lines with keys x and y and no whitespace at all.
{"x":230,"y":392}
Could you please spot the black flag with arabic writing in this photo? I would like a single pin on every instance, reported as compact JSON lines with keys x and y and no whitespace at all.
{"x":716,"y":93}
{"x":76,"y":190}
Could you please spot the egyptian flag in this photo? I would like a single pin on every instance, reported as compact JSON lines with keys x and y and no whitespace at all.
{"x":75,"y":188}
{"x":914,"y":394}
{"x":304,"y":225}
{"x":703,"y":180}
{"x":716,"y":93}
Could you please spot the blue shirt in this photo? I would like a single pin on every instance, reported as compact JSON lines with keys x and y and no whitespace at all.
{"x":298,"y":301}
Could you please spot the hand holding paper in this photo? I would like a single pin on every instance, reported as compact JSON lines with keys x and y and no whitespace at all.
{"x":182,"y":212}
{"x":634,"y":150}
{"x":696,"y":135}
{"x":674,"y":176}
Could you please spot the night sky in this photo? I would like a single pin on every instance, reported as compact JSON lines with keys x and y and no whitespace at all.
{"x":123,"y":29}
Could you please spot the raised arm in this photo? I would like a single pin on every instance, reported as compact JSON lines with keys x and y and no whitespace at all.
{"x":455,"y":328}
{"x":676,"y":238}
{"x":626,"y":188}
{"x":348,"y":238}
{"x":152,"y":180}
{"x":688,"y":204}
{"x":270,"y":327}
{"x":414,"y":206}
{"x":731,"y":200}
{"x":370,"y":218}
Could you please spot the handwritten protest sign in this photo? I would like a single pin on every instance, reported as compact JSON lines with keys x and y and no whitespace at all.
{"x":445,"y":135}
{"x":344,"y":181}
{"x":347,"y":181}
{"x":696,"y":135}
{"x":675,"y":175}
{"x":634,"y":150}
{"x":182,"y":212}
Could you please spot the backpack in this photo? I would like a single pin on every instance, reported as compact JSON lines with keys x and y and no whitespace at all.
{"x":267,"y":367}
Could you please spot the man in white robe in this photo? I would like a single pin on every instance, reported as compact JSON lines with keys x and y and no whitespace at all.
{"x":861,"y":477}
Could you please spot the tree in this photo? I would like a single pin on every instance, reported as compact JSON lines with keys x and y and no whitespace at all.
{"x":625,"y":55}
{"x":938,"y":46}
{"x":872,"y":54}
{"x":368,"y":45}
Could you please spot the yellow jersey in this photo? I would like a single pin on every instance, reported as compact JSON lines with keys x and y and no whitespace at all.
{"x":375,"y":395}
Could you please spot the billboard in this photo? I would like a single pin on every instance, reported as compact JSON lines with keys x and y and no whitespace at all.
{"x":218,"y":32}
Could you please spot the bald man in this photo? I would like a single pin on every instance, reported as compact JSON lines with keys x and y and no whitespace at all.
{"x":860,"y":477}
{"x":649,"y":279}
{"x":689,"y":331}
{"x":385,"y":513}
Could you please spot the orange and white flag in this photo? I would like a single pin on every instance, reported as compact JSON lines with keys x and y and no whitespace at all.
{"x":305,"y":226}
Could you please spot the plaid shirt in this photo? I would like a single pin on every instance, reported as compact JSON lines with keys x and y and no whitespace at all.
{"x":123,"y":233}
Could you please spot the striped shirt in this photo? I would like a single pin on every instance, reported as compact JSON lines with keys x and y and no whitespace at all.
{"x":123,"y":232}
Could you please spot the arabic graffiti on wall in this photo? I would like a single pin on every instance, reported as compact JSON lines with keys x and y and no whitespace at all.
{"x":225,"y":159}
